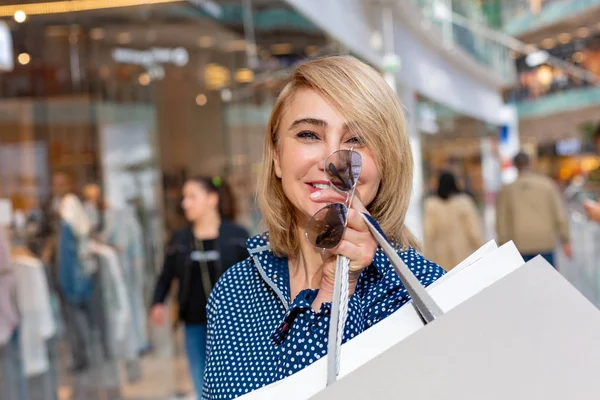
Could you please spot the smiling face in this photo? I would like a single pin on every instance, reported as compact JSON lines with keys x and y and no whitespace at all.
{"x":310,"y":130}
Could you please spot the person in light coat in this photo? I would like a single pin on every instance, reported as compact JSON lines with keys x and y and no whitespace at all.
{"x":452,"y":224}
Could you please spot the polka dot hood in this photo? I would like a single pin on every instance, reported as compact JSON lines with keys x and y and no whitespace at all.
{"x":258,"y":335}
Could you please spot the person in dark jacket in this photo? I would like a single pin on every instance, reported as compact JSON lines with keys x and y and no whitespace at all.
{"x":197,"y":256}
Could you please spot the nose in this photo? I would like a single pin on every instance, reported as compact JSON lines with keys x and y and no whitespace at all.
{"x":327,"y":149}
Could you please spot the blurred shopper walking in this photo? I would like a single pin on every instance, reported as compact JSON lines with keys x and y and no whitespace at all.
{"x":592,"y":208}
{"x":452,"y":224}
{"x":197,"y":256}
{"x":530,"y":212}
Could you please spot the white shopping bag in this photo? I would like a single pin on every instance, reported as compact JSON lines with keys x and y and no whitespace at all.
{"x":485,"y":267}
{"x":530,"y":335}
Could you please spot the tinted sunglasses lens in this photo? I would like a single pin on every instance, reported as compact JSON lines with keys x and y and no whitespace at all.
{"x":326,"y":228}
{"x":343,"y":169}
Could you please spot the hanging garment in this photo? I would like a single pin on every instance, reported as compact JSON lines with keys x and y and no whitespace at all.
{"x":73,"y":213}
{"x":12,"y":381}
{"x":45,"y":386}
{"x":75,"y":264}
{"x":8,"y":313}
{"x":37,"y":322}
{"x":124,"y":233}
{"x":115,"y":298}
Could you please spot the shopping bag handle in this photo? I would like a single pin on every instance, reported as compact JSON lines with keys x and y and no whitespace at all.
{"x":424,"y":304}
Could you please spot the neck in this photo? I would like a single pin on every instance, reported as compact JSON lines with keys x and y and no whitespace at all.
{"x":208,"y":226}
{"x":307,"y":266}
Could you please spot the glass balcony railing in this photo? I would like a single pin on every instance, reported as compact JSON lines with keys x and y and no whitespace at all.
{"x":573,"y":97}
{"x":522,"y":16}
{"x":471,"y":36}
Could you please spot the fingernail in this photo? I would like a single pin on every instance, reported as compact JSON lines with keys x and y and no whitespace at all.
{"x":315,"y":195}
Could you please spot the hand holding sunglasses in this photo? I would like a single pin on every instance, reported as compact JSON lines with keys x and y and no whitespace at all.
{"x":338,"y":227}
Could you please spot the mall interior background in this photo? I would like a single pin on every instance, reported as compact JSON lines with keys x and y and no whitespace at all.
{"x":137,"y":98}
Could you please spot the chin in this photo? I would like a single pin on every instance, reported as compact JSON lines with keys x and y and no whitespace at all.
{"x":190,"y":218}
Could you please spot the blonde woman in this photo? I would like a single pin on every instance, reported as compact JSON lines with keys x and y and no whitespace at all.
{"x":268,"y":316}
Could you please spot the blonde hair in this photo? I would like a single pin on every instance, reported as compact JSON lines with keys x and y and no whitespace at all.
{"x":364,"y":99}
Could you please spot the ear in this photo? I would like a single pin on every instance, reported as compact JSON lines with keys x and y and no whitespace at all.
{"x":276,"y":163}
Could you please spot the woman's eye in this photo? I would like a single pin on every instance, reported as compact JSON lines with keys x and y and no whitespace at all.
{"x":307,"y":135}
{"x":355,"y":140}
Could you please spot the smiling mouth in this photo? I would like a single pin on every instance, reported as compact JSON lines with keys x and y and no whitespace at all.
{"x":320,"y":186}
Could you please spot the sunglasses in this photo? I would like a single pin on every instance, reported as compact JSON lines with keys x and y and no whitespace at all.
{"x":326,"y":228}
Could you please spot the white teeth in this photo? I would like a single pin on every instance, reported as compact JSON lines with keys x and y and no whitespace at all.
{"x":320,"y":186}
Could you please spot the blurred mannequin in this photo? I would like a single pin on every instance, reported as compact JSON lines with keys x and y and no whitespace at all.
{"x":67,"y":229}
{"x":94,"y":206}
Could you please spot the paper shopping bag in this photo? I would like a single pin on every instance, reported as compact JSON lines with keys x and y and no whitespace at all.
{"x":531,"y":335}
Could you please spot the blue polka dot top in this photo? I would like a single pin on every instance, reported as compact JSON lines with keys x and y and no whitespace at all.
{"x":258,"y":335}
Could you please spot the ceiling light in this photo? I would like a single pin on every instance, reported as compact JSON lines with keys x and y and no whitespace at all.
{"x":548,"y":43}
{"x":244,"y":75}
{"x":205,"y":42}
{"x":281,"y":48}
{"x":97,"y":34}
{"x":201,"y":99}
{"x":236,"y":45}
{"x":564,"y":38}
{"x":144,"y":79}
{"x":537,"y":58}
{"x":67,"y":6}
{"x":216,"y":76}
{"x":24,"y":58}
{"x":583,"y":32}
{"x":544,"y":75}
{"x":124,"y":38}
{"x":579,"y":57}
{"x":20,"y":16}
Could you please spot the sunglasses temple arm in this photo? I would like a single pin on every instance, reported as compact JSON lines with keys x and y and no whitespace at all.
{"x":424,"y":304}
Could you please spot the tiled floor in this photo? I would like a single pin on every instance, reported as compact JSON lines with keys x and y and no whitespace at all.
{"x":164,"y":375}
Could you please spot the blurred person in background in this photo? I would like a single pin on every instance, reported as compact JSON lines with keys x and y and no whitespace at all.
{"x":592,"y":208}
{"x":452,"y":225}
{"x":197,"y":257}
{"x":530,"y":212}
{"x":463,"y":182}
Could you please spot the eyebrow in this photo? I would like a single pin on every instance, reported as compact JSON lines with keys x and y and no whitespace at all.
{"x":311,"y":121}
{"x":317,"y":122}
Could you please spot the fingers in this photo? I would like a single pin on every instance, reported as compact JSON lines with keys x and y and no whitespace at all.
{"x":333,"y":196}
{"x":328,"y":196}
{"x":357,"y":244}
{"x":356,"y":222}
